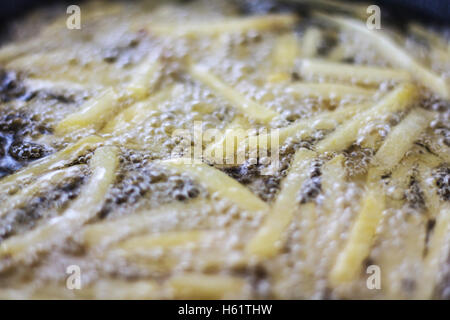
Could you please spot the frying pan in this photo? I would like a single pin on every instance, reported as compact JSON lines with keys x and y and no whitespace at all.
{"x":435,"y":11}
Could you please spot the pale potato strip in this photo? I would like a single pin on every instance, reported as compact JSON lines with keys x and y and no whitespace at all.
{"x":357,"y":9}
{"x":269,"y":238}
{"x":218,"y":182}
{"x":121,"y":289}
{"x":143,"y":79}
{"x":53,"y":161}
{"x":223,"y":150}
{"x":438,"y":247}
{"x":43,"y":84}
{"x":401,"y":138}
{"x":161,"y":240}
{"x":137,"y":113}
{"x":333,"y":180}
{"x":229,"y":25}
{"x":397,"y":100}
{"x":438,"y":244}
{"x":365,"y":75}
{"x":349,"y":261}
{"x":88,"y":203}
{"x":47,"y":180}
{"x":363,"y":232}
{"x":433,"y":38}
{"x":405,"y":251}
{"x":115,"y":289}
{"x":327,"y":90}
{"x":201,"y":286}
{"x":106,"y":232}
{"x":322,"y":224}
{"x":311,"y":42}
{"x":287,"y":49}
{"x":248,"y":107}
{"x":393,"y":53}
{"x":93,"y":113}
{"x":304,"y":128}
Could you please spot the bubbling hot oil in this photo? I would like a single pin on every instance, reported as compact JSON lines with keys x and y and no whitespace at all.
{"x":27,"y":119}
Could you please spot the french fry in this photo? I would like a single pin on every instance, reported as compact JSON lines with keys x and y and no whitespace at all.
{"x":248,"y":107}
{"x":397,"y":100}
{"x":269,"y":238}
